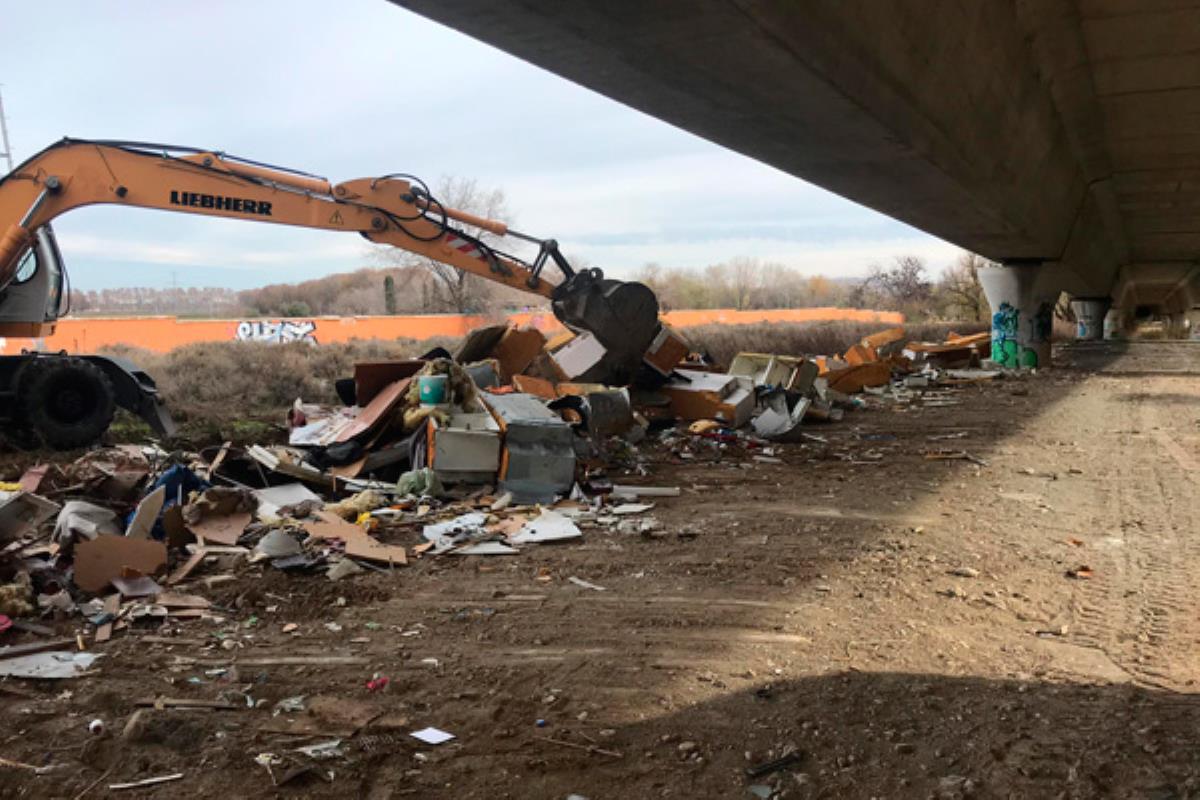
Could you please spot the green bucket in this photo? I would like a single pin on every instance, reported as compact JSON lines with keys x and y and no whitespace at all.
{"x":432,"y":389}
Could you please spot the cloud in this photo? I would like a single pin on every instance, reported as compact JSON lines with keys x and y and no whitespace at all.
{"x":119,"y":250}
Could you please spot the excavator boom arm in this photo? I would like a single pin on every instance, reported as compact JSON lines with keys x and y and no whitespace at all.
{"x":390,"y":210}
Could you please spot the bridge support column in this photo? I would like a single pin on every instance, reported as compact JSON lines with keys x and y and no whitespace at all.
{"x":1022,"y":297}
{"x":1089,"y":316}
{"x":1114,"y":324}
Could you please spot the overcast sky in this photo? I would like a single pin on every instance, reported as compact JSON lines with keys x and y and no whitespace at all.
{"x":361,"y":87}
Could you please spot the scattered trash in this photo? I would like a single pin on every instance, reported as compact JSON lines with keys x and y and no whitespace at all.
{"x":550,"y":526}
{"x":770,"y":767}
{"x":344,"y":568}
{"x":146,"y":782}
{"x":487,"y":549}
{"x":277,"y":544}
{"x":99,"y":560}
{"x":82,"y":521}
{"x":322,"y":750}
{"x":581,"y":583}
{"x":1082,"y":572}
{"x":289,"y":705}
{"x":432,"y":736}
{"x":955,"y":455}
{"x":21,"y":513}
{"x":54,"y":665}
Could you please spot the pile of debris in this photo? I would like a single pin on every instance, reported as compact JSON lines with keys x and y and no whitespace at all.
{"x":512,"y":442}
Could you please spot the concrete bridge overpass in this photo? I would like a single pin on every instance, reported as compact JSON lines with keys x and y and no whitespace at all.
{"x":1060,"y":138}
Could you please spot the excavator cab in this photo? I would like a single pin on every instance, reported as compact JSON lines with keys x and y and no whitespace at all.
{"x":53,"y":399}
{"x":36,"y":297}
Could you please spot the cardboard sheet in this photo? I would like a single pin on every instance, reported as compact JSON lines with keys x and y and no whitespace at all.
{"x":100,"y":560}
{"x":223,"y":529}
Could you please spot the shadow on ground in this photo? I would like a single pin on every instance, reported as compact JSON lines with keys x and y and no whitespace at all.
{"x":867,"y":735}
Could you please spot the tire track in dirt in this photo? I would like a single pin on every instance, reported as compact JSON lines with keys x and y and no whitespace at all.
{"x":1139,"y":608}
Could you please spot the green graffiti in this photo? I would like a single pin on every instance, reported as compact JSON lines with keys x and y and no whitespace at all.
{"x":1005,"y":350}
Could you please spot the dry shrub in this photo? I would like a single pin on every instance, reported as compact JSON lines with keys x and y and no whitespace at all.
{"x":221,"y":380}
{"x":723,"y":342}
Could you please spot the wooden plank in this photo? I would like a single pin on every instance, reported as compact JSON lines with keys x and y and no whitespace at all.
{"x":112,"y":604}
{"x":187,"y":702}
{"x":185,"y":569}
{"x":216,"y":462}
{"x":176,"y":600}
{"x":18,"y":650}
{"x":33,"y":627}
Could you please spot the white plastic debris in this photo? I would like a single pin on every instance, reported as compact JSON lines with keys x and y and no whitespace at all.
{"x":549,"y":527}
{"x":582,"y":584}
{"x":277,"y":544}
{"x":52,"y":665}
{"x":330,"y":749}
{"x":445,"y":535}
{"x":432,"y":736}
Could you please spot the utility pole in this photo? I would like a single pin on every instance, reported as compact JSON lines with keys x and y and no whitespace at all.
{"x":7,"y":152}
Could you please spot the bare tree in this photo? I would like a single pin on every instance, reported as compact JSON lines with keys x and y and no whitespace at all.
{"x":451,"y":289}
{"x":745,"y":276}
{"x":901,"y":287}
{"x":961,"y":294}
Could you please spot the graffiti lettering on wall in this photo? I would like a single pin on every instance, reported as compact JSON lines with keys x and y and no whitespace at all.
{"x":1006,"y":350}
{"x":277,"y":332}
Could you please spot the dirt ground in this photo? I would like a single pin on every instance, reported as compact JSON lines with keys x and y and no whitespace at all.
{"x":908,"y":625}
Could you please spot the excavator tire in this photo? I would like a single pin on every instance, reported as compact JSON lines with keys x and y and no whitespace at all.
{"x":66,"y":402}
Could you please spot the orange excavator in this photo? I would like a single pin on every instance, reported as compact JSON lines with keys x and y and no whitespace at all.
{"x":66,"y":401}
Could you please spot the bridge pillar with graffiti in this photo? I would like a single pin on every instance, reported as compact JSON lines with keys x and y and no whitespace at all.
{"x":1022,"y":298}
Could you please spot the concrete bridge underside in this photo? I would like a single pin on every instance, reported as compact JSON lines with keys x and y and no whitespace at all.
{"x":1064,"y":133}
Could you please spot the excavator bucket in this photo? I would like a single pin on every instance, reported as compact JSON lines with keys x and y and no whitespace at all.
{"x":623,"y":316}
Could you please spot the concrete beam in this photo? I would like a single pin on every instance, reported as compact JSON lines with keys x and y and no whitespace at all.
{"x":955,"y":133}
{"x":1063,"y":131}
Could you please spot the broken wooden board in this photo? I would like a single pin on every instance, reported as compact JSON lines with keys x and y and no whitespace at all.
{"x":19,"y":650}
{"x":185,"y":569}
{"x":358,"y":543}
{"x":176,"y":600}
{"x":377,"y":411}
{"x":112,"y":604}
{"x":187,"y":702}
{"x":852,"y":380}
{"x":366,"y":548}
{"x":223,"y":529}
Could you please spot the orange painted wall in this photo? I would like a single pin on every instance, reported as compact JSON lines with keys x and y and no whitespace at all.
{"x":89,"y":334}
